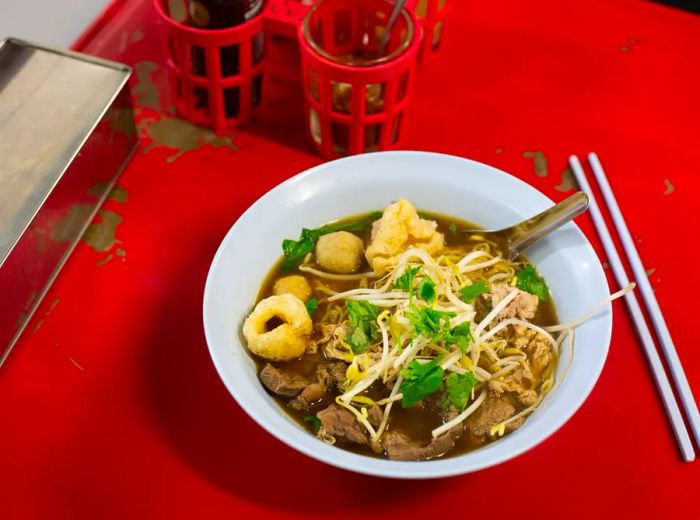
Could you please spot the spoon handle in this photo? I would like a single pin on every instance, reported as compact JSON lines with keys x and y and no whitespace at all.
{"x":389,"y":26}
{"x":530,"y":231}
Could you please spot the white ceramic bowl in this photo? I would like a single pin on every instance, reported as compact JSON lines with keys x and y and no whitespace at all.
{"x":440,"y":183}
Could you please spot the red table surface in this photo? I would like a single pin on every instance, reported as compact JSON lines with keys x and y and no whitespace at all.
{"x":110,"y":406}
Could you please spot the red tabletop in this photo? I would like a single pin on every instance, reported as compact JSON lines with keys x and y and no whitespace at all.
{"x":110,"y":406}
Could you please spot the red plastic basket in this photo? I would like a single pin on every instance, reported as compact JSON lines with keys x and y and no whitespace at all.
{"x":352,"y":109}
{"x":216,"y":76}
{"x":432,"y":15}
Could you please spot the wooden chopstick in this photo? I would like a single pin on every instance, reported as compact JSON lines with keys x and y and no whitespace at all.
{"x":662,"y":383}
{"x":657,"y":318}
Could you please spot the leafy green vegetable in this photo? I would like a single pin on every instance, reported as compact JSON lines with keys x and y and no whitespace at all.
{"x":420,"y":380}
{"x":459,"y":388}
{"x":311,"y":305}
{"x":426,"y":290}
{"x":460,"y":335}
{"x":530,"y":281}
{"x":362,"y":316}
{"x":296,"y":250}
{"x":314,"y":422}
{"x":429,"y":322}
{"x":405,"y":281}
{"x":453,"y":229}
{"x":470,"y":292}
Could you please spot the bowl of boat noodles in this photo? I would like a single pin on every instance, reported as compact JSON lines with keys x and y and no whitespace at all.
{"x":356,"y":313}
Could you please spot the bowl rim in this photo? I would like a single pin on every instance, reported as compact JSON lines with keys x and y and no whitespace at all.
{"x":383,"y":467}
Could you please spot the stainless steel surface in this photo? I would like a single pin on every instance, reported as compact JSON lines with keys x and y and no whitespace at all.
{"x":66,"y":130}
{"x":389,"y":26}
{"x":526,"y":233}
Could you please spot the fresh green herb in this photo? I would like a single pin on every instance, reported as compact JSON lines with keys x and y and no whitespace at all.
{"x":430,"y":323}
{"x":314,"y":422}
{"x":470,"y":292}
{"x":453,"y":229}
{"x":460,"y":335}
{"x":405,"y":281}
{"x":420,"y":380}
{"x":459,"y":388}
{"x":296,"y":250}
{"x":530,"y":281}
{"x":362,"y":316}
{"x":426,"y":290}
{"x":311,"y":306}
{"x":424,"y":215}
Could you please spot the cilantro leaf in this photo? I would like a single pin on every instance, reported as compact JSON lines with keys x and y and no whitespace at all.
{"x":470,"y":292}
{"x":459,"y":388}
{"x":426,"y":290}
{"x":362,"y":316}
{"x":405,"y":281}
{"x":430,"y":323}
{"x":453,"y":229}
{"x":314,"y":422}
{"x":530,"y":281}
{"x":420,"y":380}
{"x":311,"y":306}
{"x":296,"y":250}
{"x":460,"y":335}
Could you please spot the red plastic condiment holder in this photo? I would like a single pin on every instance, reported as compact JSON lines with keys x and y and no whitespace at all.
{"x":215,"y":75}
{"x":356,"y":109}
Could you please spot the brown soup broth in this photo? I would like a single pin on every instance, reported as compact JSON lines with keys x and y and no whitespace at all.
{"x":417,"y":422}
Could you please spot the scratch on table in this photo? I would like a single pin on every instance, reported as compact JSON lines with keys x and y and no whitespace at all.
{"x":650,"y":271}
{"x":101,"y":235}
{"x":103,"y":261}
{"x":539,"y":163}
{"x":499,"y":150}
{"x":146,"y":91}
{"x":77,"y":365}
{"x":627,"y":46}
{"x":182,"y":136}
{"x":38,"y":325}
{"x":670,"y":188}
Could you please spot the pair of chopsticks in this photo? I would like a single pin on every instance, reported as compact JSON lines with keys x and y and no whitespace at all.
{"x":664,"y":337}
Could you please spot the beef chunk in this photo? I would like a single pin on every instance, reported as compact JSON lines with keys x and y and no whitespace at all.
{"x":282,"y":382}
{"x":494,"y":410}
{"x":524,"y":306}
{"x":400,"y":447}
{"x":310,"y":394}
{"x":518,"y":383}
{"x":341,"y":424}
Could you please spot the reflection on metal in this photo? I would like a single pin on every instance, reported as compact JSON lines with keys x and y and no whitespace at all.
{"x":65,"y":125}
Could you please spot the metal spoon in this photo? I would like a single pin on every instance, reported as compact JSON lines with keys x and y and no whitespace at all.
{"x":389,"y":26}
{"x":522,"y":235}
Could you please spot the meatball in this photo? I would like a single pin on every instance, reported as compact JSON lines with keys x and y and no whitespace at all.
{"x":340,"y":252}
{"x":295,"y":284}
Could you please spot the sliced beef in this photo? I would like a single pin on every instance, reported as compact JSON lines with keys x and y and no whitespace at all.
{"x":399,"y":447}
{"x":537,"y":348}
{"x":282,"y":382}
{"x":518,"y":383}
{"x":374,"y":416}
{"x":494,"y":410}
{"x":524,"y":306}
{"x":332,"y":374}
{"x":341,"y":424}
{"x":312,"y":393}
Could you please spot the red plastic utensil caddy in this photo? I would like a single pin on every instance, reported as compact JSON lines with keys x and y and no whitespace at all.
{"x":351,"y":109}
{"x":432,"y":15}
{"x":216,"y":76}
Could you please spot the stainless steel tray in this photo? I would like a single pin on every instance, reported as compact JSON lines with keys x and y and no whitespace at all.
{"x":66,"y":132}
